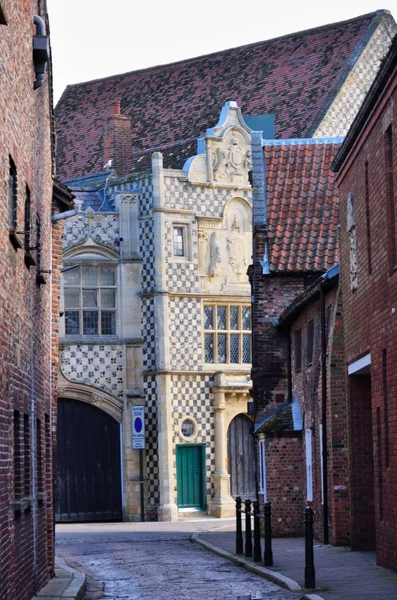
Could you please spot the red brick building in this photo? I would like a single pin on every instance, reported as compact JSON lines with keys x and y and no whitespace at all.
{"x":295,"y":242}
{"x":314,"y":326}
{"x":367,"y":180}
{"x":28,"y":323}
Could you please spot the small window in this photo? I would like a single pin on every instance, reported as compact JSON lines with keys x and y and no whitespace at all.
{"x":18,"y":491}
{"x":26,"y":456}
{"x":298,"y":350}
{"x":12,"y":196}
{"x":179,"y":241}
{"x":27,"y":220}
{"x":188,"y":428}
{"x":310,"y":342}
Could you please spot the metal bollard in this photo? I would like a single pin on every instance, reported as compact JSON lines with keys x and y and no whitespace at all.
{"x":239,"y":531}
{"x":257,"y":534}
{"x":248,"y":530}
{"x":310,"y":574}
{"x":268,"y":556}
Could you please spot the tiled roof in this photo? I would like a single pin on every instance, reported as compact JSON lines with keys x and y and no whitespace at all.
{"x":295,"y":77}
{"x":302,"y":205}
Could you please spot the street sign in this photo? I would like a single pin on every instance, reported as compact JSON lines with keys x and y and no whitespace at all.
{"x":138,"y":427}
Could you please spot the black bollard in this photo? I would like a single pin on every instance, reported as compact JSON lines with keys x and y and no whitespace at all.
{"x":257,"y":534}
{"x":268,"y":557}
{"x":248,"y":530}
{"x":310,"y":575}
{"x":239,"y":531}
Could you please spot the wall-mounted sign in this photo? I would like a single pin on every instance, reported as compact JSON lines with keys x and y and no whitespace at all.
{"x":138,"y":427}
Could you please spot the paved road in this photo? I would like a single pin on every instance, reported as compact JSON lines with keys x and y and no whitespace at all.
{"x":157,"y":563}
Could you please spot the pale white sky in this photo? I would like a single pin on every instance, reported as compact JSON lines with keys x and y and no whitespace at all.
{"x":96,"y":38}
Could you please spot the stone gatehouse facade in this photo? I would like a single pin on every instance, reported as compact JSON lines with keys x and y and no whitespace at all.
{"x":161,"y":276}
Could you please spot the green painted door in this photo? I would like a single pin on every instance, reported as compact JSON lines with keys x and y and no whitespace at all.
{"x":190,"y":471}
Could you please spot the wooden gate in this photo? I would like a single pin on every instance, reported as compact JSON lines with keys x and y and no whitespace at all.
{"x":88,"y":468}
{"x":241,"y":458}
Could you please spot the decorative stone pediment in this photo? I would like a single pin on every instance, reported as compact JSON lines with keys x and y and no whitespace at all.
{"x":225,"y":247}
{"x":224,"y":155}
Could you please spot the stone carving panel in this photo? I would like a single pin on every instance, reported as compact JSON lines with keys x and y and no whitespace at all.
{"x":224,"y":155}
{"x":225,"y":249}
{"x":102,"y":228}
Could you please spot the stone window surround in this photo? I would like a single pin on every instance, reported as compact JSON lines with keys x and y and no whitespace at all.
{"x":186,"y":223}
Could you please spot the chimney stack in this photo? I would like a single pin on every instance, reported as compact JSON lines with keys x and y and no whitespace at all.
{"x":117,"y":143}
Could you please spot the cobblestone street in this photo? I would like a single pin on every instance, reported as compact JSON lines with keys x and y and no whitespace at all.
{"x":158,"y":565}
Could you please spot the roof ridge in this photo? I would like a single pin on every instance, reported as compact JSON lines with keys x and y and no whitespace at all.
{"x":220,"y":52}
{"x":304,"y":141}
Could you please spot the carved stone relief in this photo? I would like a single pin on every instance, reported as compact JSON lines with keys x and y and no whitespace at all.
{"x":225,"y":249}
{"x":351,"y":229}
{"x":224,"y":155}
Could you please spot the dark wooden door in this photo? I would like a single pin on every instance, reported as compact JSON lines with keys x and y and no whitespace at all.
{"x":88,"y":468}
{"x":190,"y":476}
{"x":241,"y":458}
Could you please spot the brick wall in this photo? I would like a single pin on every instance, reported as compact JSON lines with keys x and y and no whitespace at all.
{"x":307,"y":387}
{"x":25,"y":314}
{"x":285,"y":482}
{"x":370,"y":315}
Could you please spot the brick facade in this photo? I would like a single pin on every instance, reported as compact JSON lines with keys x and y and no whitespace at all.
{"x":28,"y":326}
{"x":367,"y":180}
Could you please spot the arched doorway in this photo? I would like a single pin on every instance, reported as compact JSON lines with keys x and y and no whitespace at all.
{"x":88,"y":466}
{"x":241,"y":458}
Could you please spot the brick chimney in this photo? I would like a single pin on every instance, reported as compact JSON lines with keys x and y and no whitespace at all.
{"x":117,"y":140}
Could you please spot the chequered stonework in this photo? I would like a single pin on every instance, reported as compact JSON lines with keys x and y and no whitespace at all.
{"x":203,"y":201}
{"x":148,"y":335}
{"x":95,"y":365}
{"x":145,"y":196}
{"x":192,"y":397}
{"x":151,"y":446}
{"x":185,"y":333}
{"x":346,"y":106}
{"x":103,"y":228}
{"x":147,"y":253}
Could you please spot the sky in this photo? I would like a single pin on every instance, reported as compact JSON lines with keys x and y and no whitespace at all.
{"x":92,"y":39}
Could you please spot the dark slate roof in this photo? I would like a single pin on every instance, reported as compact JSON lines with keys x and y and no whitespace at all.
{"x":387,"y":70}
{"x":296,"y":77}
{"x":303,"y":205}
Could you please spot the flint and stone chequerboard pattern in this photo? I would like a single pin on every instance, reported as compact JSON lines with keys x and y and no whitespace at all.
{"x":145,"y":196}
{"x":147,"y":254}
{"x":95,"y":365}
{"x":185,"y":333}
{"x":148,"y":334}
{"x":203,"y":201}
{"x":151,"y":437}
{"x":192,"y":397}
{"x":345,"y":107}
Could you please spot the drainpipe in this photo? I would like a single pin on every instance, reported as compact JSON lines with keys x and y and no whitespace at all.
{"x":324,"y":412}
{"x":32,"y":425}
{"x":289,"y":368}
{"x":41,"y":51}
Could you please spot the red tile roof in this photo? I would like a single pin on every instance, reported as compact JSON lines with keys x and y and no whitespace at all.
{"x":295,"y":76}
{"x":302,"y":205}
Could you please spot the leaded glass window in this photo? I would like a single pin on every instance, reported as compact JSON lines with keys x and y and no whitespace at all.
{"x":227,"y":334}
{"x":90,"y":300}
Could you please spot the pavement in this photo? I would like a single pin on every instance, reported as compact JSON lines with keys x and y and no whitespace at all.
{"x":68,"y":584}
{"x":340,"y":573}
